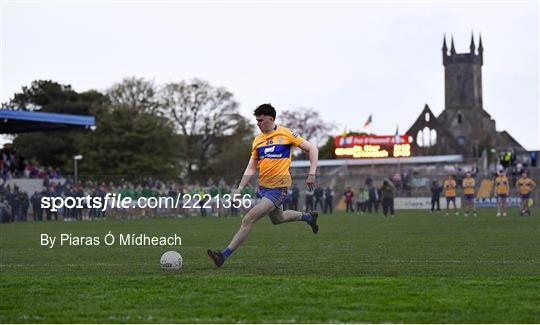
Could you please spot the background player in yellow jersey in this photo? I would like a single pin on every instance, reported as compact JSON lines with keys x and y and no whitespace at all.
{"x":449,"y":186}
{"x":525,"y":186}
{"x":271,"y":153}
{"x":502,"y":190}
{"x":468,"y":185}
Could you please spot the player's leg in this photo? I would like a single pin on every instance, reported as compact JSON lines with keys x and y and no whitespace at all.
{"x":278,"y":216}
{"x":526,"y":205}
{"x":504,"y":206}
{"x":261,"y":209}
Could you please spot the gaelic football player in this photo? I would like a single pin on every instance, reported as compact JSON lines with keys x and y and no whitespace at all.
{"x":271,"y":153}
{"x":502,"y":190}
{"x":449,"y":186}
{"x":468,"y":184}
{"x":525,"y":186}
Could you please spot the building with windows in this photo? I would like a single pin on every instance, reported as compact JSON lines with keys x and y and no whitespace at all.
{"x":463,"y":127}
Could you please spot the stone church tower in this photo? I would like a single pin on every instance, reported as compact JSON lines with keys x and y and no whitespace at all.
{"x":464,"y":120}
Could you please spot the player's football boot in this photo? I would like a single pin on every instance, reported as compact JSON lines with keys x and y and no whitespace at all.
{"x":313,"y":223}
{"x":217,"y":257}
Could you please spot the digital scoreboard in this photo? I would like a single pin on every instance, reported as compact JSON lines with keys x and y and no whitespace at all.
{"x":373,"y":146}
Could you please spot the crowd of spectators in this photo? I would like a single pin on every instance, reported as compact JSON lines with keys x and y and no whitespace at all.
{"x":14,"y":166}
{"x":17,"y":205}
{"x":370,"y":196}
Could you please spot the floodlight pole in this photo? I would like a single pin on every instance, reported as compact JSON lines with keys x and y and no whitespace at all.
{"x":75,"y":158}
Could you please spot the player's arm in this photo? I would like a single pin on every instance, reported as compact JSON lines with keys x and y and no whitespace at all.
{"x":313,"y":154}
{"x":251,"y":169}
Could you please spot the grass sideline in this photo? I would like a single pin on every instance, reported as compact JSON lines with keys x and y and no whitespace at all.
{"x":416,"y":267}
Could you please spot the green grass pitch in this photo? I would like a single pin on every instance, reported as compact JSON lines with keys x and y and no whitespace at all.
{"x":416,"y":267}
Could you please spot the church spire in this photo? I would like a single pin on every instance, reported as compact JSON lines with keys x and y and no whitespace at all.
{"x":444,"y":47}
{"x":472,"y":46}
{"x":452,"y":47}
{"x":480,"y":47}
{"x":481,"y":50}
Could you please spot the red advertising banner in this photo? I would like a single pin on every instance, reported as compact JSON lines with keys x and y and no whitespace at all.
{"x":382,"y":140}
{"x":373,"y":146}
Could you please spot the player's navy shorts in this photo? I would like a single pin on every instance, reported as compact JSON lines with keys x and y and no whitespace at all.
{"x":524,"y":196}
{"x":450,"y":199}
{"x":276,"y":195}
{"x":502,"y":196}
{"x":468,"y":197}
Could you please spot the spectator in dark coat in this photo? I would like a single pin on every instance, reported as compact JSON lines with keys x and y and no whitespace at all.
{"x":319,"y":193}
{"x":37,"y":211}
{"x":373,"y":201}
{"x":295,"y":196}
{"x":436,"y":190}
{"x":25,"y":205}
{"x":328,"y":200}
{"x":387,"y":197}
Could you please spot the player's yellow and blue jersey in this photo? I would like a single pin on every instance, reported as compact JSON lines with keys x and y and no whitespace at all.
{"x":525,"y":185}
{"x":502,"y":185}
{"x":468,"y":185}
{"x":274,"y":153}
{"x":449,"y":186}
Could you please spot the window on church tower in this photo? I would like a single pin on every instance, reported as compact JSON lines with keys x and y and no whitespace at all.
{"x":427,"y":117}
{"x":459,"y":119}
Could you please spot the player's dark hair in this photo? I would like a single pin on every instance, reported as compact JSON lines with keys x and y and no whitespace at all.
{"x":266,"y":110}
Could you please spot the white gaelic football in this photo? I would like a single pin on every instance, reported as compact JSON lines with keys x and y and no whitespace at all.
{"x":171,"y":260}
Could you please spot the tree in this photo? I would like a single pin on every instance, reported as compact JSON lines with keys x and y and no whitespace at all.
{"x":51,"y":97}
{"x":326,"y":151}
{"x":202,"y":115}
{"x":54,"y":149}
{"x":128,"y":140}
{"x":230,"y":162}
{"x":136,"y":93}
{"x":307,"y":122}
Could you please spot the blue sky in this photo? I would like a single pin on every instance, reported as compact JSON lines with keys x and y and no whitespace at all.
{"x":347,"y":59}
